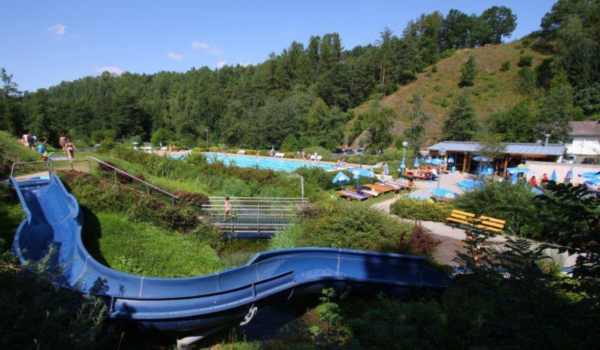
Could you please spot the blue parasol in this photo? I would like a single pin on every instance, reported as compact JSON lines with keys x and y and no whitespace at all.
{"x":341,"y":179}
{"x":518,"y":170}
{"x":469,"y":185}
{"x":514,"y":179}
{"x":590,"y":175}
{"x":418,"y":197}
{"x":451,"y":160}
{"x":594,"y":182}
{"x":402,"y":164}
{"x":553,"y":176}
{"x":570,"y":174}
{"x":386,"y":170}
{"x":443,"y":193}
{"x":416,"y":162}
{"x":362,"y":172}
{"x":436,"y":162}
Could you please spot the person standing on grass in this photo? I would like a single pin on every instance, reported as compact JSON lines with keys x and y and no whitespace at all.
{"x":70,"y":149}
{"x":62,"y":140}
{"x":228,"y":208}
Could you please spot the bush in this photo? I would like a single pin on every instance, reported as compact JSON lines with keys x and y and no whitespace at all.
{"x":505,"y":66}
{"x":97,"y":136}
{"x":413,"y":209}
{"x":345,"y":225}
{"x":525,"y":61}
{"x":513,"y":203}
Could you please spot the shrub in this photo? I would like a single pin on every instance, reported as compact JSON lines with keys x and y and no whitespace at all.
{"x":421,"y":242}
{"x":437,"y":87}
{"x":505,"y":66}
{"x":97,"y":136}
{"x":413,"y":209}
{"x":344,"y":225}
{"x":434,"y":69}
{"x":525,"y":61}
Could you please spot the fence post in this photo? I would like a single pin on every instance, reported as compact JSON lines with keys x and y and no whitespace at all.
{"x":90,"y":164}
{"x":72,"y":166}
{"x":116,"y":179}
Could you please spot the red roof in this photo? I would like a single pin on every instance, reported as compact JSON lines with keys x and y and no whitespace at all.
{"x":589,"y":128}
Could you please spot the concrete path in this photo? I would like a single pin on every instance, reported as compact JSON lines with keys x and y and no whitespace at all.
{"x":451,"y":239}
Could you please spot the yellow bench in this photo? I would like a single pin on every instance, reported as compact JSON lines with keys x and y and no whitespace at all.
{"x":483,"y":222}
{"x":461,"y":217}
{"x":490,"y":224}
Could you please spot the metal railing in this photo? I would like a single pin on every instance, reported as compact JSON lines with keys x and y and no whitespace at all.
{"x":254,"y":213}
{"x":148,"y":185}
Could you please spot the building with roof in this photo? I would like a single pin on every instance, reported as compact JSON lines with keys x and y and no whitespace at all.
{"x":584,"y":139}
{"x":465,"y":154}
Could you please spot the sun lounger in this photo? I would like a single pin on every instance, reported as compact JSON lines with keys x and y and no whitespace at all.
{"x":241,"y":151}
{"x":313,"y":157}
{"x":352,"y":195}
{"x":279,"y":155}
{"x":319,"y":158}
{"x":394,"y":185}
{"x":368,"y":192}
{"x":380,"y":188}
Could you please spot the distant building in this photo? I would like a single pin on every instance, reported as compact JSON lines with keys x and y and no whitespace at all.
{"x":463,"y":152}
{"x":585,"y":139}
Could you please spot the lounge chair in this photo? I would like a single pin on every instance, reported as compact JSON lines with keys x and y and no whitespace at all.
{"x":241,"y":151}
{"x":319,"y":158}
{"x":394,"y":185}
{"x":279,"y":155}
{"x":367,"y":192}
{"x":380,"y":188}
{"x":352,"y":195}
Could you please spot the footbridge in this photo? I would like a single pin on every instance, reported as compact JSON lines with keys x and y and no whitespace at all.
{"x":254,"y":216}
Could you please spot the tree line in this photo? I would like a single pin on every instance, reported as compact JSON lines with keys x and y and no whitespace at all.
{"x":307,"y":92}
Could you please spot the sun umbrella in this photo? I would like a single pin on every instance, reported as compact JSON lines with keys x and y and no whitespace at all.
{"x":341,"y":179}
{"x":553,"y":176}
{"x":590,"y":175}
{"x":570,"y":174}
{"x":361,"y":172}
{"x":356,"y":176}
{"x":402,"y":164}
{"x":469,"y":185}
{"x":416,"y":162}
{"x":451,"y":160}
{"x":594,"y":182}
{"x":443,"y":193}
{"x":536,"y":190}
{"x":436,"y":162}
{"x":386,"y":170}
{"x":518,"y":170}
{"x":481,"y":159}
{"x":515,"y":178}
{"x":418,"y":197}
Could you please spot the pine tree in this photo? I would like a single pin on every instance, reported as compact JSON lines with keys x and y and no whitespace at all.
{"x":417,"y":118}
{"x":462,"y":122}
{"x":557,"y":109}
{"x":469,"y":72}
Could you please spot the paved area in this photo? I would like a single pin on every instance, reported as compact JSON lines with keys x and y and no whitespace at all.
{"x":451,"y":239}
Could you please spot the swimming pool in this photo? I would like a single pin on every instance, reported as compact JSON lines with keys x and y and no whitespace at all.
{"x":275,"y":164}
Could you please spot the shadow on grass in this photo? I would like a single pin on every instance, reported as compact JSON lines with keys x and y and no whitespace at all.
{"x":91,"y":234}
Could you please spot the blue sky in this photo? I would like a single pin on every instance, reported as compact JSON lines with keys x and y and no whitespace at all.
{"x":46,"y":42}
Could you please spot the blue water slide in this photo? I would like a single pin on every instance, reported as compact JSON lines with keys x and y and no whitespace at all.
{"x":54,"y":219}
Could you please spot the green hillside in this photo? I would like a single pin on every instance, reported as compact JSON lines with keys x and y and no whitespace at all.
{"x":493,"y":91}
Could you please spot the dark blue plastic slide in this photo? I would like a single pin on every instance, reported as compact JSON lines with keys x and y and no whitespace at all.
{"x":181,"y":304}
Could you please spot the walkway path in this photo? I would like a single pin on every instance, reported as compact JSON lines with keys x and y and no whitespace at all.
{"x":452,"y":238}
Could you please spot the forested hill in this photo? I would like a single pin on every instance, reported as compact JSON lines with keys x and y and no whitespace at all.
{"x":494,"y":89}
{"x":314,"y":94}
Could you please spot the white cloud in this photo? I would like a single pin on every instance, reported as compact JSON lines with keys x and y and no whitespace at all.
{"x":58,"y":29}
{"x":211,"y":49}
{"x":244,"y":64}
{"x":221,"y":64}
{"x":200,"y":45}
{"x":110,"y":69}
{"x":175,"y":56}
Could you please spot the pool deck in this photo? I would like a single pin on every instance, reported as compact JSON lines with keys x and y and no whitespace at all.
{"x":348,"y":165}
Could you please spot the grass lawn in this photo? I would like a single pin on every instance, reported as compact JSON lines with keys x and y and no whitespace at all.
{"x":11,"y":215}
{"x":145,"y":249}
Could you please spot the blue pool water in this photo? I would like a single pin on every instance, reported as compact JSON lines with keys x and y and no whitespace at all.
{"x":287,"y":166}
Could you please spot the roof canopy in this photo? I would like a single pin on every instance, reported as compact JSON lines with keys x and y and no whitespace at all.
{"x":587,"y":128}
{"x":552,"y":149}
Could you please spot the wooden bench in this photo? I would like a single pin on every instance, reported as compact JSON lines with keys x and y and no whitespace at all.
{"x":461,"y":217}
{"x":490,"y":224}
{"x":469,"y":220}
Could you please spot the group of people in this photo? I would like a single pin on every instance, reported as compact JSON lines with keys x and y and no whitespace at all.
{"x":31,"y":141}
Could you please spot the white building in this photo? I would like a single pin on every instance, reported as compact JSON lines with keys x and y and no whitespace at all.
{"x":585,"y":139}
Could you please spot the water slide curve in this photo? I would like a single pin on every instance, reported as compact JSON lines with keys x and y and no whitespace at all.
{"x":53,"y":218}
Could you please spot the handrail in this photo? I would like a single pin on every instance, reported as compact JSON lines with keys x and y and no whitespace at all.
{"x":149,"y":185}
{"x":12,"y":169}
